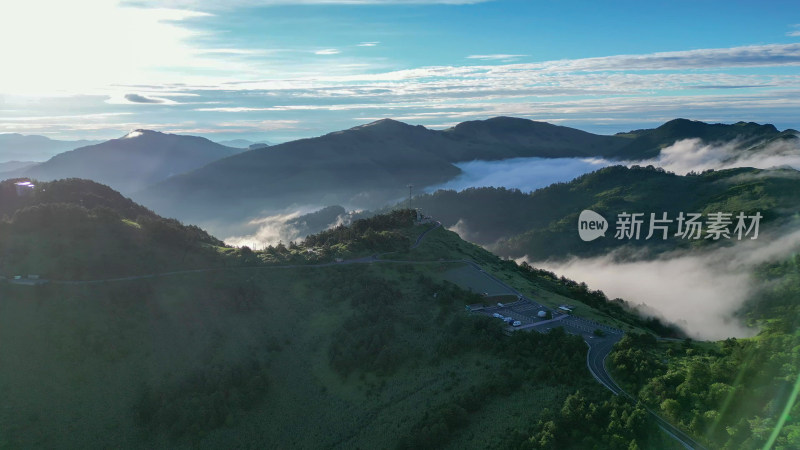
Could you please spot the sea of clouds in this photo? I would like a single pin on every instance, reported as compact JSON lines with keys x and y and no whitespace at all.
{"x":699,"y":291}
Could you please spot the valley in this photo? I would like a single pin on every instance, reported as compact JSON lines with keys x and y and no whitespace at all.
{"x":385,"y":320}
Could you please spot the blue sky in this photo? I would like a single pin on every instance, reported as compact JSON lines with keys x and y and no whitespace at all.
{"x":279,"y":70}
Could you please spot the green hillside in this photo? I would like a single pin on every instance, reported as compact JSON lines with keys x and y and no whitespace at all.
{"x":80,"y":230}
{"x":732,"y":394}
{"x":543,"y":224}
{"x":648,"y":143}
{"x":270,"y":349}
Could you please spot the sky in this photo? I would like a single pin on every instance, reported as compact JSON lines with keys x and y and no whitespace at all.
{"x":278,"y":70}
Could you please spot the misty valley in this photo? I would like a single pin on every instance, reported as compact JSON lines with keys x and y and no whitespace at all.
{"x":395,"y":286}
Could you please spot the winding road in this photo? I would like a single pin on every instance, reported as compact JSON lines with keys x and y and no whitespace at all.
{"x":599,"y":346}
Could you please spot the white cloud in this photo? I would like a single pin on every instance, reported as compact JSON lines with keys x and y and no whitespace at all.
{"x":138,"y":99}
{"x":171,"y":60}
{"x":699,"y":291}
{"x":279,"y":227}
{"x":234,"y":109}
{"x":525,"y":174}
{"x":216,"y":5}
{"x":262,"y":125}
{"x":793,"y":33}
{"x":496,"y":57}
{"x":369,"y":44}
{"x":695,"y":155}
{"x":67,"y":49}
{"x":745,"y":56}
{"x":270,"y":230}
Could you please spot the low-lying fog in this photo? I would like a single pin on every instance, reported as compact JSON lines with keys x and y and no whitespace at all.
{"x":525,"y":174}
{"x":699,"y":291}
{"x":684,"y":156}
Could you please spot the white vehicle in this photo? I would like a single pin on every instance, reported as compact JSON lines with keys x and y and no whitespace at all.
{"x":500,"y":304}
{"x":497,"y":316}
{"x":516,"y":323}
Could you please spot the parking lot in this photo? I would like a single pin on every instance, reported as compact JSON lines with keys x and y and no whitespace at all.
{"x":524,"y":310}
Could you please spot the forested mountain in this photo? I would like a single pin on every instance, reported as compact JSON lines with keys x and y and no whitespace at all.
{"x":171,"y":353}
{"x":136,"y":160}
{"x":80,"y":230}
{"x":370,"y":165}
{"x":736,"y":393}
{"x":543,"y":224}
{"x":647,"y":143}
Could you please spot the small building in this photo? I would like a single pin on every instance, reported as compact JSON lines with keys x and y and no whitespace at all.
{"x":24,"y":188}
{"x":542,"y":314}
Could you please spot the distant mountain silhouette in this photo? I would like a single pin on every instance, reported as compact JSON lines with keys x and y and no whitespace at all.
{"x":242,"y":143}
{"x":368,"y":165}
{"x":509,"y":137}
{"x":14,"y":166}
{"x":19,"y":147}
{"x":649,"y":142}
{"x":138,"y":159}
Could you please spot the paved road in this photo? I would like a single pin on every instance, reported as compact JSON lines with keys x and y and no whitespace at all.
{"x":599,"y":347}
{"x":422,"y":236}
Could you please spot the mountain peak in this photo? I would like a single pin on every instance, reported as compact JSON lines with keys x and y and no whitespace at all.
{"x":383,"y":124}
{"x":139,"y":132}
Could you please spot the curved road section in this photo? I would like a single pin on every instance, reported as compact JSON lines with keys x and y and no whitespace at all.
{"x":599,"y":346}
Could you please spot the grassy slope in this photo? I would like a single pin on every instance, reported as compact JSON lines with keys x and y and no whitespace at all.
{"x":444,"y":244}
{"x":81,"y":356}
{"x":252,"y":354}
{"x":344,"y":356}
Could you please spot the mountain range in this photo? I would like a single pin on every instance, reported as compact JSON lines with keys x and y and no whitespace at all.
{"x":367,"y":166}
{"x":370,"y":165}
{"x":244,"y":143}
{"x":15,"y":166}
{"x":132,"y":162}
{"x":19,"y":147}
{"x":207,"y":345}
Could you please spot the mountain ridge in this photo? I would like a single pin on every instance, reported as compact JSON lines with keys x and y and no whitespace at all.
{"x":32,"y":147}
{"x":133,"y":161}
{"x":371,"y":164}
